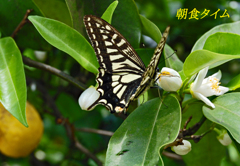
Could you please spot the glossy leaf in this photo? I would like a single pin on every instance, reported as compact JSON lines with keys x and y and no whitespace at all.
{"x":219,"y":48}
{"x":139,"y":139}
{"x":226,"y":113}
{"x":68,"y":40}
{"x":223,"y":43}
{"x":208,"y":149}
{"x":13,"y":93}
{"x":107,"y":15}
{"x":229,"y":27}
{"x":150,"y":29}
{"x":234,"y":83}
{"x":59,"y":13}
{"x":200,"y":59}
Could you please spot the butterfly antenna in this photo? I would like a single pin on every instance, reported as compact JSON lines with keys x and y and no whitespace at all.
{"x":159,"y":93}
{"x":169,"y":56}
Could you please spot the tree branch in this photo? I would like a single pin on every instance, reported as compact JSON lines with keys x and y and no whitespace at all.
{"x":188,"y":133}
{"x":172,"y":155}
{"x":87,"y":152}
{"x":22,"y":23}
{"x":102,"y":132}
{"x":54,"y":71}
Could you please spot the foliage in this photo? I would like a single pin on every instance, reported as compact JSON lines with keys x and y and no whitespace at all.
{"x":145,"y":135}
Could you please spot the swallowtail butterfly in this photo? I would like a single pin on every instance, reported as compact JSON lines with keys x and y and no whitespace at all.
{"x":122,"y":75}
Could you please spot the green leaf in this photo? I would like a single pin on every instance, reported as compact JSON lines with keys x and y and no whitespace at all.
{"x":234,"y":83}
{"x":226,"y":113}
{"x":59,"y":13}
{"x":107,"y":15}
{"x":229,"y":27}
{"x":208,"y":149}
{"x":75,"y":9}
{"x":222,"y":47}
{"x":140,"y":137}
{"x":13,"y":93}
{"x":200,"y":59}
{"x":143,"y":98}
{"x":223,"y":43}
{"x":68,"y":40}
{"x":150,"y":29}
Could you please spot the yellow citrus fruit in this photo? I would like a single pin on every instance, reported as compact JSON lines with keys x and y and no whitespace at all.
{"x":17,"y":140}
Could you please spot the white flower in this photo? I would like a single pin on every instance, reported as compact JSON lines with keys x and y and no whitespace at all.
{"x":202,"y":88}
{"x":182,"y":149}
{"x":40,"y":55}
{"x":88,"y":97}
{"x":169,"y":79}
{"x":224,"y":138}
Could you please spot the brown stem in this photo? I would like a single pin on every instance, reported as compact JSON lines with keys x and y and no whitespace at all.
{"x":175,"y":143}
{"x":101,"y":132}
{"x":186,"y":123}
{"x":54,"y":71}
{"x":192,"y":130}
{"x":172,"y":155}
{"x":22,"y":23}
{"x":87,"y":152}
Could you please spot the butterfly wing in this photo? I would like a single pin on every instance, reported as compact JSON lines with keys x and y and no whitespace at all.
{"x":149,"y":75}
{"x":121,"y":69}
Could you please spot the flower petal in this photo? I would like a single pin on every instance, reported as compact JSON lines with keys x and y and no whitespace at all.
{"x":218,"y":75}
{"x":200,"y":77}
{"x":222,"y":90}
{"x":204,"y":99}
{"x":182,"y":149}
{"x":169,"y":79}
{"x":88,"y":97}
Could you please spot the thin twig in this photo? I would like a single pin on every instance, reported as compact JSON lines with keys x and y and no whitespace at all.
{"x":22,"y":23}
{"x":175,"y":143}
{"x":192,"y":130}
{"x":87,"y":152}
{"x":172,"y":155}
{"x":54,"y":71}
{"x":187,"y":122}
{"x":102,"y":132}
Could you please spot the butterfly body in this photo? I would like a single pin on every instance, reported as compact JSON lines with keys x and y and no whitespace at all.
{"x":122,"y":75}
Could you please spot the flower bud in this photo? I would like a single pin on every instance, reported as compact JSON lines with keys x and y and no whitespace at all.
{"x":182,"y":149}
{"x":224,"y":138}
{"x":88,"y":97}
{"x":169,"y":79}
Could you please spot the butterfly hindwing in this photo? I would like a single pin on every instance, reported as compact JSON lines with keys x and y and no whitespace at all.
{"x":122,"y":74}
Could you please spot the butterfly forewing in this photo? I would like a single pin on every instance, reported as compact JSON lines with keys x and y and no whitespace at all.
{"x":120,"y":68}
{"x":122,"y":75}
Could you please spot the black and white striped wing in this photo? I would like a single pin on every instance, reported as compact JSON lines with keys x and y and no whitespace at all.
{"x":121,"y":69}
{"x":149,"y":75}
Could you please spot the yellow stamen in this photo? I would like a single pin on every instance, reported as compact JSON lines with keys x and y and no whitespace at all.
{"x":215,"y":84}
